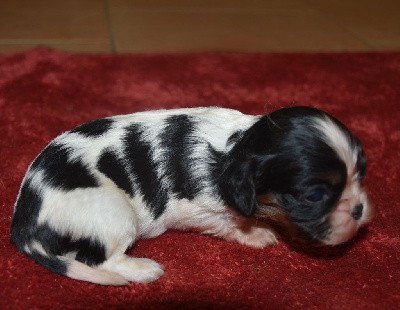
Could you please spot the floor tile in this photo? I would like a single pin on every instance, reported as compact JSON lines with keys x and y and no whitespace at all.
{"x":82,"y":21}
{"x":377,"y":23}
{"x":226,"y":31}
{"x":184,"y":5}
{"x":69,"y":47}
{"x":200,"y":25}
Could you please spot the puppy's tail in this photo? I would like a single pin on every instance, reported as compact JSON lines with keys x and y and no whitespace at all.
{"x":77,"y":270}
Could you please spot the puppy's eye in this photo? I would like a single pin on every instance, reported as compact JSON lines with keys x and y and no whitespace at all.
{"x":360,"y":175}
{"x":316,"y":195}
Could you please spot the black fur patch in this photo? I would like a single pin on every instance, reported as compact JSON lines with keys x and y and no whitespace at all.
{"x":24,"y":228}
{"x":89,"y":251}
{"x":61,"y":172}
{"x":114,"y":168}
{"x":25,"y":216}
{"x":178,"y":141}
{"x":50,"y":262}
{"x":139,"y":156}
{"x":94,"y":128}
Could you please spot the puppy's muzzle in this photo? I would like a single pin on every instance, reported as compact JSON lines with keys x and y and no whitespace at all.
{"x":357,"y":211}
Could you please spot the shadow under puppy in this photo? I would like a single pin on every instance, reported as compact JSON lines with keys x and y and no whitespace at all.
{"x":96,"y":189}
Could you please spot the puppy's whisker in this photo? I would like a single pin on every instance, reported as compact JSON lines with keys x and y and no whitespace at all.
{"x":273,"y":122}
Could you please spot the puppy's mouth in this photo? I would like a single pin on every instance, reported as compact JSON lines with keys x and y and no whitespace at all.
{"x":344,"y":223}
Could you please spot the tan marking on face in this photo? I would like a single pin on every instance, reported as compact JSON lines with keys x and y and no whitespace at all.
{"x":270,"y":209}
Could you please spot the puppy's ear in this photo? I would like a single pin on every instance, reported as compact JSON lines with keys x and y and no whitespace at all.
{"x":237,"y":188}
{"x":247,"y":160}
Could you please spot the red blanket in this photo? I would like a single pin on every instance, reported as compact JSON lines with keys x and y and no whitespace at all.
{"x":43,"y":93}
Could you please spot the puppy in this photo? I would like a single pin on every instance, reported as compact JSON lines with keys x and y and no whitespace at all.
{"x":96,"y":189}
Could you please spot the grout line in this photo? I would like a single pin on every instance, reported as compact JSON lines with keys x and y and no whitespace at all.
{"x":51,"y":41}
{"x":110,"y":26}
{"x":220,"y":10}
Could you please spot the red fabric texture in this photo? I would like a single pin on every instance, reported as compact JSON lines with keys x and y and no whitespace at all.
{"x":44,"y":92}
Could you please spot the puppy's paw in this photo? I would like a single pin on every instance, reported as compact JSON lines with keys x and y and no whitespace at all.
{"x":147,"y":270}
{"x":142,"y":270}
{"x":256,"y":237}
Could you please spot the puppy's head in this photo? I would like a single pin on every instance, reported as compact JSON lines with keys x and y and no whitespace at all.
{"x":308,"y":165}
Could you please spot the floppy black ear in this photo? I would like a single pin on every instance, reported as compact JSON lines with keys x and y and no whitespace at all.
{"x":238,"y":189}
{"x":246,"y":161}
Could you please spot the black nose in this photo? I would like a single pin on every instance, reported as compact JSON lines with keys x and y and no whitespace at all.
{"x":357,"y":212}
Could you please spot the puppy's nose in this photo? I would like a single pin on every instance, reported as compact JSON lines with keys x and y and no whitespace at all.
{"x":357,"y":211}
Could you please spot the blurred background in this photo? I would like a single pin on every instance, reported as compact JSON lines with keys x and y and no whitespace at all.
{"x":120,"y":26}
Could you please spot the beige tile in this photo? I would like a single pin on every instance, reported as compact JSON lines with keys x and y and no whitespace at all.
{"x":79,"y":20}
{"x":375,"y":22}
{"x":68,"y":47}
{"x":227,"y":31}
{"x":202,"y":25}
{"x":10,"y":48}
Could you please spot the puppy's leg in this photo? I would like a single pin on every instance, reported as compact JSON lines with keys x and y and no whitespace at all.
{"x":106,"y":217}
{"x":252,"y":233}
{"x":246,"y":231}
{"x":120,"y":235}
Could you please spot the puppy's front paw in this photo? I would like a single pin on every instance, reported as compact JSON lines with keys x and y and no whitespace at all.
{"x":256,"y":237}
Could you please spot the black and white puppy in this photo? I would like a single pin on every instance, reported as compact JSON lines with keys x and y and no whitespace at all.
{"x":96,"y":189}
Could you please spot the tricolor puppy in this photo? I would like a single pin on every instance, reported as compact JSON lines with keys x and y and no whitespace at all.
{"x":96,"y":189}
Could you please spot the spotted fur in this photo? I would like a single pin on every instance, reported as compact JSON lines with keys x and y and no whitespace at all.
{"x":96,"y":189}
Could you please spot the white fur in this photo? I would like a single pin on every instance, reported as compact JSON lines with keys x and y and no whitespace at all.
{"x":338,"y":141}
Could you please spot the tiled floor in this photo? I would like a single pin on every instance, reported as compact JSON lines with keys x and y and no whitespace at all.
{"x":202,"y":25}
